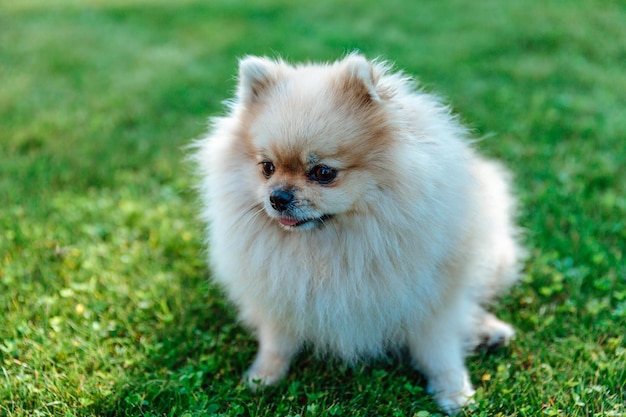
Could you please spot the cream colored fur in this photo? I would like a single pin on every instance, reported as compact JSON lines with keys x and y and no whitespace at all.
{"x":421,"y":236}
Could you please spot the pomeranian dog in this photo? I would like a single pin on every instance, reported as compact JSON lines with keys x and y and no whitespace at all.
{"x":349,"y":213}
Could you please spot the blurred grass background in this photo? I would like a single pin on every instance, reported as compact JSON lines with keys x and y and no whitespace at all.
{"x":105,"y":306}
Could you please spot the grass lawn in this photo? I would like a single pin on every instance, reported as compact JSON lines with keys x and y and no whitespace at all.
{"x":105,"y":305}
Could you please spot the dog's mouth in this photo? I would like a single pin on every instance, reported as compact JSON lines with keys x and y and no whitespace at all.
{"x":292,"y":223}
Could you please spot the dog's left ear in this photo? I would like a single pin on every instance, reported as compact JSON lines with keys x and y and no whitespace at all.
{"x":257,"y":76}
{"x":359,"y":78}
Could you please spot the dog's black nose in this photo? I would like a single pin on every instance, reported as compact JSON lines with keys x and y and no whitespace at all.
{"x":281,"y":199}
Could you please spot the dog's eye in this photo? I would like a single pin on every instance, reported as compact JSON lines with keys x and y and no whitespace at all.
{"x":268,"y":168}
{"x":322,"y":174}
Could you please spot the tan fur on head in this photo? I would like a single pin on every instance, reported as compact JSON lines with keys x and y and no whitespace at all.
{"x":349,"y":212}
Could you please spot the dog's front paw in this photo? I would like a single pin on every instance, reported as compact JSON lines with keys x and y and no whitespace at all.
{"x":453,"y":403}
{"x":266,"y":370}
{"x":451,"y":394}
{"x":494,"y":333}
{"x":257,"y":379}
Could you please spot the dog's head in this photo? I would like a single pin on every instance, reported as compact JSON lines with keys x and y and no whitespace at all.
{"x":317,"y":135}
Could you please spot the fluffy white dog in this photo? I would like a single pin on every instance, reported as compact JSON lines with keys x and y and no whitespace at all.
{"x":348,"y":212}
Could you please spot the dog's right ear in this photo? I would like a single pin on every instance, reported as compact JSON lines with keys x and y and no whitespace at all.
{"x":257,"y":76}
{"x":359,"y":78}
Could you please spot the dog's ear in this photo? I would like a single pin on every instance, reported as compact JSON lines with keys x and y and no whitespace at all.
{"x":256,"y":77}
{"x":359,"y":78}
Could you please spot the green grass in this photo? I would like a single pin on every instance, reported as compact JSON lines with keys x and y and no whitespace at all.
{"x":105,"y":306}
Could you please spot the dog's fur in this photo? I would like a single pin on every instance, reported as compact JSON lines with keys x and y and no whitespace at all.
{"x":402,"y":247}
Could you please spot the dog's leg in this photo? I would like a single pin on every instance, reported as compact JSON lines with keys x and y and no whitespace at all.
{"x":438,"y":351}
{"x":276,"y":350}
{"x":493,"y":333}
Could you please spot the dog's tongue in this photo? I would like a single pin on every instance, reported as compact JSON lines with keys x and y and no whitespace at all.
{"x":285,"y":221}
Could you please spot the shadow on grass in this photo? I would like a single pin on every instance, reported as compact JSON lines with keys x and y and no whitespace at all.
{"x":184,"y":361}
